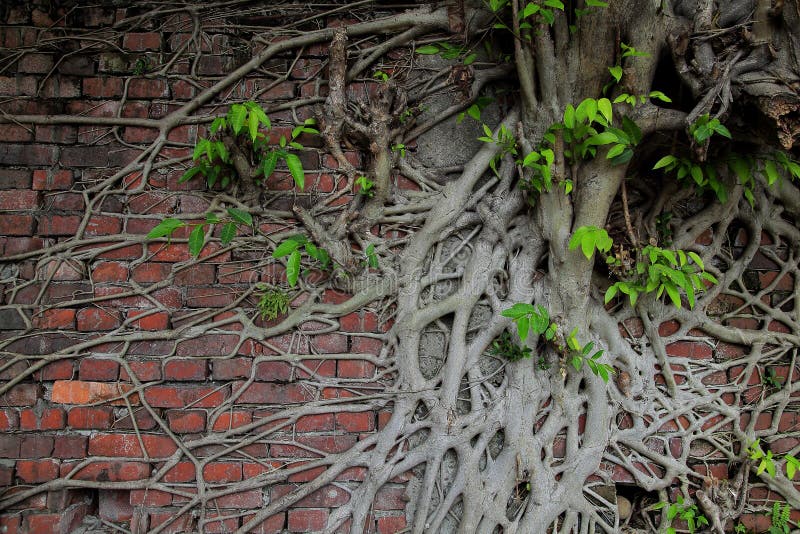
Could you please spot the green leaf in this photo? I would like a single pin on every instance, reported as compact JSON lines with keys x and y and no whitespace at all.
{"x":427,"y":50}
{"x":196,"y":240}
{"x":616,"y":72}
{"x":772,"y":172}
{"x":518,"y":310}
{"x":665,"y":161}
{"x":530,"y":9}
{"x":604,"y":138}
{"x":569,"y":116}
{"x":165,"y":228}
{"x":372,"y":258}
{"x":696,"y":258}
{"x":697,"y":174}
{"x":615,"y":150}
{"x":228,"y":233}
{"x":722,"y":130}
{"x":296,"y":170}
{"x":293,"y":268}
{"x":289,"y":245}
{"x":577,"y":362}
{"x":523,"y":325}
{"x":236,"y":117}
{"x":269,"y":163}
{"x":611,"y":292}
{"x":240,"y":216}
{"x":557,"y":4}
{"x":189,"y":174}
{"x":200,"y":148}
{"x":252,"y":126}
{"x":674,"y":296}
{"x":605,"y":109}
{"x":218,"y":123}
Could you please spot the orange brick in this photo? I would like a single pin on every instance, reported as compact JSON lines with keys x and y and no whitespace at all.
{"x":82,"y":392}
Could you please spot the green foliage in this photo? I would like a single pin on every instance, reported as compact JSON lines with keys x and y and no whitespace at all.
{"x":683,"y":510}
{"x":380,"y":76}
{"x":365,"y":186}
{"x":474,"y":111}
{"x":505,"y":347}
{"x":633,"y":100}
{"x":771,"y":378}
{"x":740,"y":529}
{"x":141,"y":66}
{"x":536,"y":319}
{"x":272,"y":302}
{"x":291,"y":246}
{"x":704,"y":127}
{"x":531,"y":319}
{"x":235,"y":219}
{"x":590,"y":237}
{"x":580,"y":355}
{"x":372,"y":257}
{"x":664,"y":271}
{"x":779,"y":519}
{"x":704,"y":176}
{"x":505,"y":140}
{"x":766,"y":462}
{"x":447,"y":51}
{"x":244,"y":123}
{"x":400,"y":148}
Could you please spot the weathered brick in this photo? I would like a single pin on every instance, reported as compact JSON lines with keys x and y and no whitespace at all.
{"x":307,"y":519}
{"x":114,"y":505}
{"x":16,"y":224}
{"x":61,"y":318}
{"x":90,"y":418}
{"x":104,"y":87}
{"x":100,"y":369}
{"x":37,"y":471}
{"x":47,"y":419}
{"x":24,"y":394}
{"x":127,"y":445}
{"x":142,"y":41}
{"x":12,"y":133}
{"x":111,"y":471}
{"x":356,"y":422}
{"x":148,"y":88}
{"x":182,"y":396}
{"x":222,"y":472}
{"x":186,"y":421}
{"x":9,"y":420}
{"x":242,"y":500}
{"x":269,"y":393}
{"x":97,"y":319}
{"x":150,"y":498}
{"x":15,"y":179}
{"x":149,"y":319}
{"x":185,"y":369}
{"x":80,"y":392}
{"x":57,"y":225}
{"x":229,"y":420}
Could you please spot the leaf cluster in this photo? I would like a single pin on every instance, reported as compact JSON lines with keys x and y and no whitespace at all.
{"x":197,"y":237}
{"x":766,"y":462}
{"x":664,"y":271}
{"x":291,"y":246}
{"x":581,"y":355}
{"x":683,"y":510}
{"x":272,"y":302}
{"x":779,"y":519}
{"x":446,"y":50}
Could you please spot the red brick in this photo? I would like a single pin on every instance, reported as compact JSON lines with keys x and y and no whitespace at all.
{"x":55,"y":318}
{"x":182,"y":396}
{"x":690,"y":349}
{"x":140,"y":42}
{"x":180,"y":472}
{"x":16,"y":224}
{"x":127,"y":445}
{"x":100,"y":369}
{"x":230,"y":420}
{"x":145,"y":371}
{"x":314,"y":423}
{"x":150,"y":498}
{"x":244,"y":499}
{"x":90,"y":418}
{"x":174,"y":524}
{"x":21,"y":395}
{"x":217,"y":523}
{"x":151,"y":272}
{"x":307,"y":520}
{"x":271,"y":525}
{"x":119,"y":251}
{"x":136,"y":134}
{"x":104,"y":87}
{"x":355,"y":369}
{"x":36,"y":446}
{"x":222,"y":472}
{"x":109,"y":271}
{"x":48,"y":419}
{"x":9,"y":420}
{"x":11,"y":524}
{"x":18,"y":200}
{"x":58,"y":225}
{"x":103,"y":225}
{"x":97,"y":319}
{"x":391,"y":524}
{"x":111,"y":471}
{"x":214,"y":297}
{"x":149,"y":320}
{"x":389,"y":498}
{"x":148,"y":88}
{"x":186,"y":422}
{"x":268,"y":393}
{"x":37,"y":471}
{"x":69,"y":446}
{"x":185,"y":370}
{"x":273,"y":371}
{"x":11,"y":133}
{"x":356,"y":422}
{"x":231,"y":368}
{"x":80,"y":392}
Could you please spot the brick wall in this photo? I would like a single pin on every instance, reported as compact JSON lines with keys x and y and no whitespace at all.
{"x":124,"y":349}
